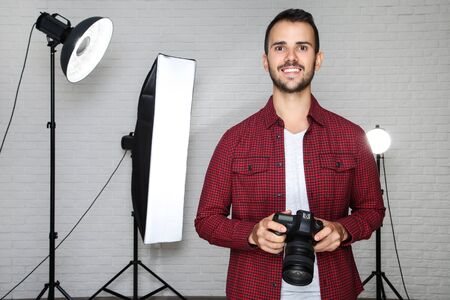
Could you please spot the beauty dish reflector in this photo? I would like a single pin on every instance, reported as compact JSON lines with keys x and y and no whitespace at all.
{"x":85,"y":46}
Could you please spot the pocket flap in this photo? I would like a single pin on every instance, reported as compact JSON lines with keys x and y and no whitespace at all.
{"x":338,"y":162}
{"x":250,"y":165}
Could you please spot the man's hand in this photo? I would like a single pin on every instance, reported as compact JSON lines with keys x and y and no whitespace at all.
{"x":265,"y":239}
{"x":330,"y":237}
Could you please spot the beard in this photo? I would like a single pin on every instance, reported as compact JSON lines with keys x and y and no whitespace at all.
{"x":300,"y":86}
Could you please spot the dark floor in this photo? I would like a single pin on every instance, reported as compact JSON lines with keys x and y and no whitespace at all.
{"x":175,"y":298}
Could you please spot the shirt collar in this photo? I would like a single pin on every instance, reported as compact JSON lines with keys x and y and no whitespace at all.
{"x":316,"y":113}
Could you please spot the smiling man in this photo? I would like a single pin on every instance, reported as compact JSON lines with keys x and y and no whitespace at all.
{"x":291,"y":155}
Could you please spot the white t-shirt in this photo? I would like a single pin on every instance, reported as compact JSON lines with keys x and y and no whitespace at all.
{"x":297,"y":198}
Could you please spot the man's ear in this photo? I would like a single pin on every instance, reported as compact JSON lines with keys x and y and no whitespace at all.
{"x":319,"y":60}
{"x":265,"y":62}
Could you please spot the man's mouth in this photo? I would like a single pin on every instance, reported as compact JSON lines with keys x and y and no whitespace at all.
{"x":291,"y":70}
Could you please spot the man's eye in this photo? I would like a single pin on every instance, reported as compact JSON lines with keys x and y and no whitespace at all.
{"x":303,"y":48}
{"x":279,"y":48}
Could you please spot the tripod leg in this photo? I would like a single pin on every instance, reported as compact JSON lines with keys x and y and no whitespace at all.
{"x":391,"y":286}
{"x":42,"y":292}
{"x":153,"y":293}
{"x":383,"y":293}
{"x":368,"y":278}
{"x":112,"y":279}
{"x":162,"y":281}
{"x":62,"y":291}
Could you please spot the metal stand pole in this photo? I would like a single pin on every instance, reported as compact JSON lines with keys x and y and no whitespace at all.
{"x":135,"y":263}
{"x":380,"y":275}
{"x":52,"y":284}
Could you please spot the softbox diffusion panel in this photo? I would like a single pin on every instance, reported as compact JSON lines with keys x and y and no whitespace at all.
{"x":160,"y":149}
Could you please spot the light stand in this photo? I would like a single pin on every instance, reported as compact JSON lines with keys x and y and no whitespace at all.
{"x":53,"y":235}
{"x":57,"y":33}
{"x":379,"y":141}
{"x":155,"y":192}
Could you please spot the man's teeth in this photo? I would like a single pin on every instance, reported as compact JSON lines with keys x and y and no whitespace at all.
{"x":291,"y":70}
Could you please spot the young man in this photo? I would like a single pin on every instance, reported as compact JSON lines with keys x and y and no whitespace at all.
{"x":291,"y":155}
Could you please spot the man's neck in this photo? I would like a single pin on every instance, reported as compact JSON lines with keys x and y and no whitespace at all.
{"x":293,"y":108}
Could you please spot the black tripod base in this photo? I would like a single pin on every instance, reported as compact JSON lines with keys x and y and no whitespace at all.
{"x":135,"y":297}
{"x":380,"y":276}
{"x":56,"y":285}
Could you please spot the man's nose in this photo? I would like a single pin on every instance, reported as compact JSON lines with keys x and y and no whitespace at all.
{"x":291,"y":55}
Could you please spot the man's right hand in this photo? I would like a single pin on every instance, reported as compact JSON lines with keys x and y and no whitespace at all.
{"x":265,"y":239}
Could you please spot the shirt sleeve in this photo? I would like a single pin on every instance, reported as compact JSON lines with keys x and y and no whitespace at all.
{"x":212,"y":222}
{"x":367,"y":208}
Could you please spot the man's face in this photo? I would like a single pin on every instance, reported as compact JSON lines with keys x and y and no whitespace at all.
{"x":291,"y":60}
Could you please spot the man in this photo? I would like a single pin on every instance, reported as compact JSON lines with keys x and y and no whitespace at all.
{"x":292,"y":154}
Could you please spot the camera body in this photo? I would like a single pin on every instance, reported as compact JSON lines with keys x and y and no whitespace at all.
{"x":298,"y":262}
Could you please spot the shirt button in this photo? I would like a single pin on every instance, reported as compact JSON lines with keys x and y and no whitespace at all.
{"x":278,"y":136}
{"x":279,"y":195}
{"x":274,"y":284}
{"x":279,"y":164}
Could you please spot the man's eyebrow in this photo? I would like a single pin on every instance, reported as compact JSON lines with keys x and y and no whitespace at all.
{"x":297,"y":43}
{"x":303,"y":43}
{"x":278,"y":43}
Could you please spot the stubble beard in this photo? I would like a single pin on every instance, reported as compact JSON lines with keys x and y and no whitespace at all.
{"x":299,"y":87}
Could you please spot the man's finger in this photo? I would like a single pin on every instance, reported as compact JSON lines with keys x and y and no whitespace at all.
{"x":273,"y":248}
{"x":329,"y":243}
{"x":271,"y":236}
{"x":322,"y":234}
{"x":276,"y":226}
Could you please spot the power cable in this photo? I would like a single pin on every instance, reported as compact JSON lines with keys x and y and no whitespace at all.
{"x":392,"y":226}
{"x":18,"y":87}
{"x":73,"y":228}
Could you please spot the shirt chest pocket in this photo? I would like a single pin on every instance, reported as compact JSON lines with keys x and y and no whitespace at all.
{"x":250,"y":166}
{"x":336,"y":177}
{"x":338,"y":163}
{"x":250,"y":178}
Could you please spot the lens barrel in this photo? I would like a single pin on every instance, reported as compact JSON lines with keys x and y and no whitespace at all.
{"x":298,"y":263}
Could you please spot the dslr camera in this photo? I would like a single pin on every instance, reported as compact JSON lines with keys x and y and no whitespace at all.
{"x":298,"y":262}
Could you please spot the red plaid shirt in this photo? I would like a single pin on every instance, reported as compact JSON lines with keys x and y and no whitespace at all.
{"x":247,"y":173}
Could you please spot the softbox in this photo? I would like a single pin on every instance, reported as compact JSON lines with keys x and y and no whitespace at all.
{"x":160,"y":149}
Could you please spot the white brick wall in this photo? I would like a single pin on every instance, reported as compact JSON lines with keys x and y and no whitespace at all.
{"x":386,"y":62}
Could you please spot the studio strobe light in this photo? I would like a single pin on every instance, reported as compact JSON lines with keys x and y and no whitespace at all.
{"x":379,"y":141}
{"x":83,"y":47}
{"x":159,"y":147}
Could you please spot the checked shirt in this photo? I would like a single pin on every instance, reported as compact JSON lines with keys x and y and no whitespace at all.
{"x":246,"y":176}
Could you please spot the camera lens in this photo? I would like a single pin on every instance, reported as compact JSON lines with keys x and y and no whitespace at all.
{"x":298,"y":263}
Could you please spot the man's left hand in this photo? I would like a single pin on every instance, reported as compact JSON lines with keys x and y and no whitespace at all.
{"x":330,"y":237}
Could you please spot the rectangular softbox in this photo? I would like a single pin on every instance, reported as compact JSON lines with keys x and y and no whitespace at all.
{"x":160,"y":149}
